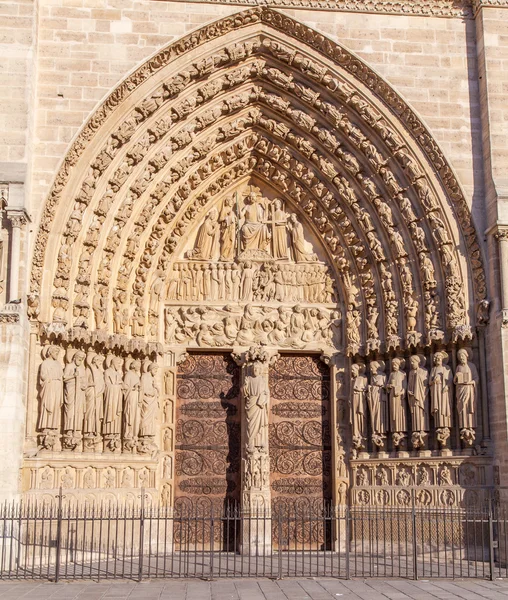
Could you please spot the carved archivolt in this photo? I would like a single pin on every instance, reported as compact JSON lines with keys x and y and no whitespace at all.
{"x":293,"y":110}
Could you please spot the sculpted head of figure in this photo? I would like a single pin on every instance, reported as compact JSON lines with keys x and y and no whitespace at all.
{"x":277,"y":204}
{"x":53,"y":352}
{"x":415,"y":362}
{"x":136,"y":365}
{"x":396,"y":364}
{"x":257,"y":369}
{"x":98,"y":360}
{"x":355,"y":370}
{"x":79,"y":357}
{"x":462,"y":356}
{"x":438,"y":359}
{"x":153,"y":368}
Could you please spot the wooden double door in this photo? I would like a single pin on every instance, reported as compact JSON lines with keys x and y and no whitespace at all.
{"x":208,"y":443}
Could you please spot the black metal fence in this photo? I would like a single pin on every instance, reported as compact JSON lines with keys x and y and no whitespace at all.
{"x":108,"y":542}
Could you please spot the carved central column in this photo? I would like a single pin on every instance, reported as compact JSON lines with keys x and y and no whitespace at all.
{"x":256,"y":496}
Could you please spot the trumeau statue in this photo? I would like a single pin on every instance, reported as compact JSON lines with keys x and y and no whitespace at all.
{"x":257,"y":397}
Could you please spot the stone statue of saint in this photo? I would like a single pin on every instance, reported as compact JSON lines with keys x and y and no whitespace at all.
{"x":466,"y":390}
{"x":131,"y":383}
{"x":279,"y":236}
{"x":206,"y":240}
{"x":417,"y":394}
{"x":149,"y":399}
{"x":256,"y":395}
{"x":254,"y":233}
{"x":358,"y":408}
{"x":50,"y":390}
{"x":302,"y":252}
{"x":94,"y":396}
{"x":396,"y":387}
{"x":75,"y":383}
{"x":228,"y":221}
{"x":377,"y":399}
{"x":440,"y":384}
{"x":113,"y":390}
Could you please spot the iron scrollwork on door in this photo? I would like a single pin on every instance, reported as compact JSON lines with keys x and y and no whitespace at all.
{"x":300,"y":447}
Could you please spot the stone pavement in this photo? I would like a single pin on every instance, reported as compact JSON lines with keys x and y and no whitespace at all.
{"x":260,"y":589}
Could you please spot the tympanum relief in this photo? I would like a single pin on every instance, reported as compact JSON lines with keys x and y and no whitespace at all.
{"x":251,"y":276}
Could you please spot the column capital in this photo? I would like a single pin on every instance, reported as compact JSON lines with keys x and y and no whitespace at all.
{"x":17,"y":216}
{"x":330,"y":358}
{"x":262,"y":354}
{"x":501,"y":233}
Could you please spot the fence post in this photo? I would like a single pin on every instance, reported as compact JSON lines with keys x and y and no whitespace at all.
{"x":58,"y":535}
{"x":348,"y":541}
{"x":141,"y":534}
{"x":279,"y":550}
{"x":415,"y":549}
{"x":491,"y":540}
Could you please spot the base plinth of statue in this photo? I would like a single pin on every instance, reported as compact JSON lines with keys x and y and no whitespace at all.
{"x":446,"y":452}
{"x":256,"y":533}
{"x":424,"y":453}
{"x":402,"y":454}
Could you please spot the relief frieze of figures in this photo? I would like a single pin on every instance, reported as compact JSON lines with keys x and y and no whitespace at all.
{"x":233,"y":325}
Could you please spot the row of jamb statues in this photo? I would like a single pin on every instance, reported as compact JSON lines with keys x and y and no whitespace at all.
{"x":91,"y":404}
{"x":386,"y":399}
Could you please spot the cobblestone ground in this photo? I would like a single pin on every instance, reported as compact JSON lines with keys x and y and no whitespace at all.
{"x":235,"y":589}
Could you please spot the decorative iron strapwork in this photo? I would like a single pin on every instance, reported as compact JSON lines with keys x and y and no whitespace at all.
{"x":59,"y":542}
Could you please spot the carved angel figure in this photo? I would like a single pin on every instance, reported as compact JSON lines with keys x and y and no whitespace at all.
{"x":227,"y":221}
{"x":301,"y":249}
